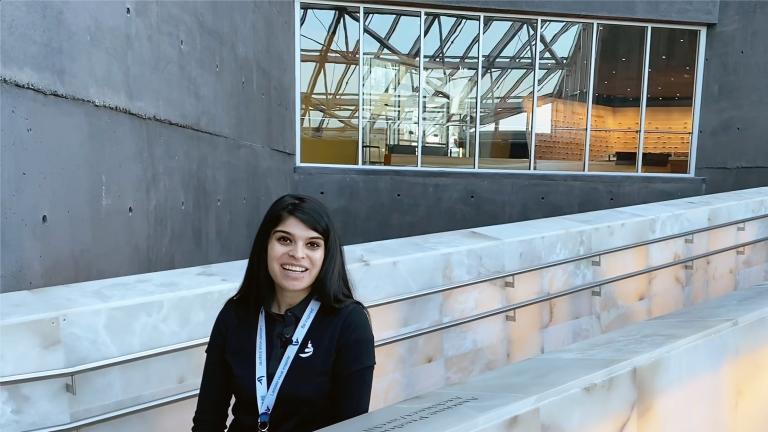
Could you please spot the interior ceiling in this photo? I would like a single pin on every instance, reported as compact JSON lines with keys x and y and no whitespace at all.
{"x":620,"y":62}
{"x":618,"y":73}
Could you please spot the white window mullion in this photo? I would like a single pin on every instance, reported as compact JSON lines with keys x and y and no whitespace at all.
{"x":644,"y":99}
{"x":360,"y":123}
{"x":697,"y":101}
{"x":478,"y":91}
{"x":419,"y":140}
{"x":297,"y":77}
{"x":590,"y":95}
{"x":535,"y":101}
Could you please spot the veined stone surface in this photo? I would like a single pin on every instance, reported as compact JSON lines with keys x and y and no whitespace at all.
{"x":70,"y":325}
{"x":701,"y":369}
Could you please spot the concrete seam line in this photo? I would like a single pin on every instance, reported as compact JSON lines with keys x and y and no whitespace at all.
{"x":101,"y":104}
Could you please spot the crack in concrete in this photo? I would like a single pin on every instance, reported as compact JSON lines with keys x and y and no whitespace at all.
{"x":123,"y":110}
{"x":96,"y":103}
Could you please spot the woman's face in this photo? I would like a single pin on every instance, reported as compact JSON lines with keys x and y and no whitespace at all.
{"x":294,"y":256}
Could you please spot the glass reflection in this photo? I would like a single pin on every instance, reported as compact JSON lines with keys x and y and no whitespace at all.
{"x":616,"y":102}
{"x":506,"y":93}
{"x":561,"y":111}
{"x":669,"y":107}
{"x":450,"y":80}
{"x":390,"y":87}
{"x":329,"y":84}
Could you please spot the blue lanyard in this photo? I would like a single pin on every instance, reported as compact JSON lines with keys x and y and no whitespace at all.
{"x":265,"y":393}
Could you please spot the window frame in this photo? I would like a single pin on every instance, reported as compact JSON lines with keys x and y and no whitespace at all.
{"x":481,"y":16}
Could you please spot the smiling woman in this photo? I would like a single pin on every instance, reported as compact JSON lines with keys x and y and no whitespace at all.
{"x":295,"y":298}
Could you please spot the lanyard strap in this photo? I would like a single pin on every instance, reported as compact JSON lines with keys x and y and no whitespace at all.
{"x":266,"y":393}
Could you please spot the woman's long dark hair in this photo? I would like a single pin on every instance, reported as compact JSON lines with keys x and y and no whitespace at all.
{"x":332,"y":285}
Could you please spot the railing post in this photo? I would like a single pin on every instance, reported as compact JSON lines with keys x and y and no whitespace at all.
{"x":70,"y":386}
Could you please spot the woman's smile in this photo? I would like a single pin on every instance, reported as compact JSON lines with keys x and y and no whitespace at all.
{"x":294,"y":268}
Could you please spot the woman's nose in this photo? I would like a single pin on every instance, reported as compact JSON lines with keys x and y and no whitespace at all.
{"x":298,"y":251}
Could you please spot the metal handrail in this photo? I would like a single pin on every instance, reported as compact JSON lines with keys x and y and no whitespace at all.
{"x":542,"y":299}
{"x":112,"y":415}
{"x":409,"y":335}
{"x":101,"y":364}
{"x":63,"y":372}
{"x":551,"y":264}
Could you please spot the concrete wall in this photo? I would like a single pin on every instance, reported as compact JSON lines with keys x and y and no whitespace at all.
{"x":732,"y":151}
{"x":374,"y":205}
{"x":139,"y":136}
{"x":182,"y":113}
{"x":682,"y":11}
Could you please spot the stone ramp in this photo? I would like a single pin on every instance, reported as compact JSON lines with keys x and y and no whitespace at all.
{"x":699,"y":369}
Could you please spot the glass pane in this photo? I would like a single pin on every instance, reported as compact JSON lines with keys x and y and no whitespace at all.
{"x":450,"y":90}
{"x":561,"y":111}
{"x":616,"y":100}
{"x":506,"y":91}
{"x":669,"y":112}
{"x":623,"y":150}
{"x":390,"y":87}
{"x":329,"y":84}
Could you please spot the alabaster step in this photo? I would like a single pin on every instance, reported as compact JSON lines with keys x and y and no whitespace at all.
{"x":701,"y":369}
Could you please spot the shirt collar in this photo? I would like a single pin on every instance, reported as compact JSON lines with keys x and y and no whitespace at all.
{"x":298,"y":310}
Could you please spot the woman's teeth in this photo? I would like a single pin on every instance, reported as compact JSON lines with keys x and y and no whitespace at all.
{"x":294,"y":268}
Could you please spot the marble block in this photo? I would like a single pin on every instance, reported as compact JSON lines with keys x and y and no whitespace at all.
{"x":172,"y":417}
{"x":699,"y":369}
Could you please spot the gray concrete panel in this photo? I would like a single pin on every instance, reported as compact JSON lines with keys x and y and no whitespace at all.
{"x":90,"y":193}
{"x":681,"y":11}
{"x":732,"y":148}
{"x":373,"y":205}
{"x":730,"y":179}
{"x":219,"y":66}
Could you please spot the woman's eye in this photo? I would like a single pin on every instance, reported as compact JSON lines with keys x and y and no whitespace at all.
{"x":283,"y":240}
{"x":314,"y":245}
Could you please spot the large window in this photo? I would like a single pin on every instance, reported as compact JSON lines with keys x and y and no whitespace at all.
{"x":565,"y":51}
{"x":404,"y":87}
{"x":669,"y":110}
{"x":450,"y":90}
{"x":330,"y":50}
{"x":615,"y":132}
{"x":392,"y":47}
{"x":506,"y":93}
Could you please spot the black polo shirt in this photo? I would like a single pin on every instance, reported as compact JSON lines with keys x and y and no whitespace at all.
{"x":325,"y":384}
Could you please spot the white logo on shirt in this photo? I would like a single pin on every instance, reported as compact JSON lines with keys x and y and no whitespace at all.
{"x":308,"y":350}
